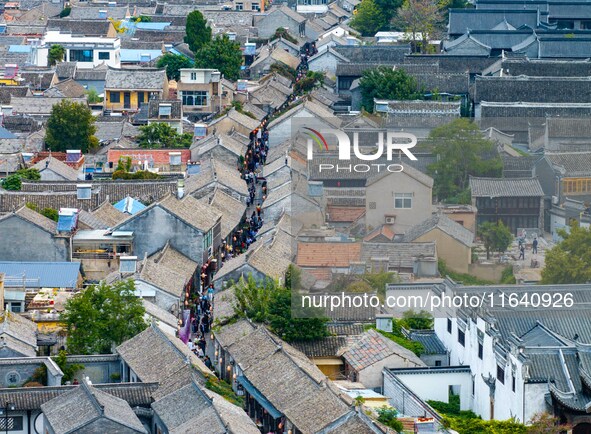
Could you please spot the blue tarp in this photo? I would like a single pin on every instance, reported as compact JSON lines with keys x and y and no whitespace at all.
{"x":258,"y":396}
{"x":19,"y":49}
{"x":66,"y":223}
{"x":129,"y":205}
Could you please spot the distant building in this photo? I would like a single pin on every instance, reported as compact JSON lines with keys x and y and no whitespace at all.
{"x":127,"y":89}
{"x":88,"y":52}
{"x":517,"y":202}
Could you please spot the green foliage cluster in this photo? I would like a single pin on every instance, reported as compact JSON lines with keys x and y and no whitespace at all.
{"x":140,"y":174}
{"x":14,"y":181}
{"x":102,"y":316}
{"x":65,"y":12}
{"x":369,"y":18}
{"x":569,"y":261}
{"x":141,"y":19}
{"x":284,"y":70}
{"x":397,"y":336}
{"x":283,"y":33}
{"x":222,"y":54}
{"x":173,"y":64}
{"x":55,"y":54}
{"x":309,"y":82}
{"x":197,"y":32}
{"x":93,"y":96}
{"x":271,"y":303}
{"x":224,"y":389}
{"x":387,"y":83}
{"x":69,"y":369}
{"x":389,"y":417}
{"x":508,"y":278}
{"x":496,"y":237}
{"x":50,"y":213}
{"x":161,"y":135}
{"x":462,"y":151}
{"x":71,"y":126}
{"x":240,"y":108}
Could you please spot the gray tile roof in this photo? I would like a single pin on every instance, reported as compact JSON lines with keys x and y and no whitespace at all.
{"x":136,"y":79}
{"x":58,"y":167}
{"x":386,"y":54}
{"x":170,"y":369}
{"x":547,"y":67}
{"x":463,"y":20}
{"x":18,"y":333}
{"x":533,"y":89}
{"x":169,"y":270}
{"x":373,"y":347}
{"x":84,"y":404}
{"x":345,"y":328}
{"x":92,"y":13}
{"x":444,"y":224}
{"x":231,"y":209}
{"x":31,"y":398}
{"x":80,"y":27}
{"x":331,"y":346}
{"x":65,"y":70}
{"x":188,"y":406}
{"x":273,"y":366}
{"x":505,"y":187}
{"x":38,"y":106}
{"x":399,"y":255}
{"x":430,"y":341}
{"x":571,"y":163}
{"x":37,"y":219}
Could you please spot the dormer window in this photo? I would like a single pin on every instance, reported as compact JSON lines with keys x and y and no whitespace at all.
{"x":84,"y":191}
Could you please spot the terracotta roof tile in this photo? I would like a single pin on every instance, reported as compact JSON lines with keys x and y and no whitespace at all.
{"x":328,"y":254}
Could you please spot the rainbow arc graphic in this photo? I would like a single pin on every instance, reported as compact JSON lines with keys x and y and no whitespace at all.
{"x":317,"y":137}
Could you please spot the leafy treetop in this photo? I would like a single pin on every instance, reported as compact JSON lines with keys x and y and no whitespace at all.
{"x":71,"y":126}
{"x":387,"y":83}
{"x":162,"y":135}
{"x":198,"y":33}
{"x":569,"y":261}
{"x":102,"y":316}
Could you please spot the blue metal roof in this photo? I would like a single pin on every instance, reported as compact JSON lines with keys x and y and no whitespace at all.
{"x":134,"y":55}
{"x":5,"y":134}
{"x":258,"y":396}
{"x":42,"y":274}
{"x":129,"y":205}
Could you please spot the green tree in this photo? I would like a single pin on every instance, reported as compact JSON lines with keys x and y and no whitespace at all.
{"x":569,"y":261}
{"x":384,"y":82}
{"x":221,"y":54}
{"x":162,"y":135}
{"x":173,"y":64}
{"x":462,"y":151}
{"x":30,"y":174}
{"x":197,"y":32}
{"x":56,"y":54}
{"x":270,"y":303}
{"x":421,"y":320}
{"x":50,"y":213}
{"x":102,"y":316}
{"x":309,"y":82}
{"x":13,"y":183}
{"x":388,"y":416}
{"x":422,"y":19}
{"x":496,"y":237}
{"x":65,"y":12}
{"x":93,"y":96}
{"x":369,"y":18}
{"x":71,"y":126}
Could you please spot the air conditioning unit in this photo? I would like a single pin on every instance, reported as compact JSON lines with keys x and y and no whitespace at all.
{"x":210,"y":251}
{"x":390,"y":220}
{"x":554,"y":200}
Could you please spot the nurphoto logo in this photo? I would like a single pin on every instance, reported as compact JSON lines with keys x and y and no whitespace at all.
{"x":387,"y":142}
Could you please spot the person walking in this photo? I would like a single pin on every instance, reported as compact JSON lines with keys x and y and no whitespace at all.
{"x":535,"y":246}
{"x":522,"y":252}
